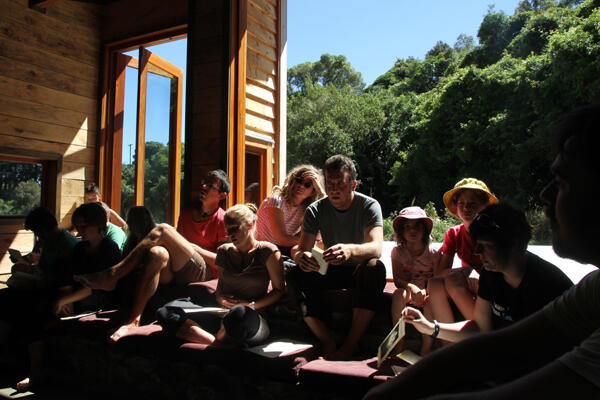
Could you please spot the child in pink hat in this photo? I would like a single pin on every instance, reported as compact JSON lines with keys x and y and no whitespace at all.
{"x":414,"y":262}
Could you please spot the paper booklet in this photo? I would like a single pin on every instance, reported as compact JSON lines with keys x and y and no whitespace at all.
{"x":279,"y":348}
{"x":409,"y":357}
{"x":390,"y":341}
{"x":210,"y":310}
{"x":317,"y":253}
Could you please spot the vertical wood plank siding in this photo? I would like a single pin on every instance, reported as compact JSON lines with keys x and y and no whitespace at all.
{"x":206,"y":124}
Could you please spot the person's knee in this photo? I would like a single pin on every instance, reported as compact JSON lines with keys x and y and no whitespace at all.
{"x":158,"y":254}
{"x":400,"y":295}
{"x":436,"y":287}
{"x":241,"y":323}
{"x":455,"y":280}
{"x":170,"y":318}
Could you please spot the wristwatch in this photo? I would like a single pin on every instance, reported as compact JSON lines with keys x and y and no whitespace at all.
{"x":253,"y":306}
{"x":436,"y":329}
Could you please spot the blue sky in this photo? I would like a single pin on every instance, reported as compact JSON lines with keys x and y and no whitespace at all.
{"x":371,"y":34}
{"x":374,"y":34}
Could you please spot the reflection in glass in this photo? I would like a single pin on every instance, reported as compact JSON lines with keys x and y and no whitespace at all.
{"x":156,"y":163}
{"x":129,"y":150}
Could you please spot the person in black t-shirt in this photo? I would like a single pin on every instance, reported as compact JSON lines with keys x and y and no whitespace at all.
{"x":514,"y":283}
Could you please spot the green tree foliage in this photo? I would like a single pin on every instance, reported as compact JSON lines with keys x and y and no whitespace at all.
{"x":20,"y":187}
{"x":467,"y":110}
{"x":156,"y":181}
{"x":329,"y":70}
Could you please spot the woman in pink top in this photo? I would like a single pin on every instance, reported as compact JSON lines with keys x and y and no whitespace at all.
{"x":280,"y":215}
{"x":414,"y":262}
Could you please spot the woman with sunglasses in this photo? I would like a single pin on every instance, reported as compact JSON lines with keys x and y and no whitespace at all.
{"x":280,"y":215}
{"x":513,"y":284}
{"x":246,"y":267}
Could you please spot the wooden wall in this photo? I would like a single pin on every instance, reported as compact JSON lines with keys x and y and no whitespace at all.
{"x":49,"y":69}
{"x":125,"y":19}
{"x":207,"y":93}
{"x":262,"y":84}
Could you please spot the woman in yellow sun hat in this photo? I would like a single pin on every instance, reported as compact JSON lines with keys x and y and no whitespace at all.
{"x":468,"y":197}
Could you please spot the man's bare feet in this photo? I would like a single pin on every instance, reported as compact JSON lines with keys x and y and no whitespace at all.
{"x":122,"y":331}
{"x":103,"y":280}
{"x":24,"y":385}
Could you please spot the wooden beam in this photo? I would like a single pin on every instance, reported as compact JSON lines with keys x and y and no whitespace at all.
{"x":43,"y":3}
{"x":140,"y":152}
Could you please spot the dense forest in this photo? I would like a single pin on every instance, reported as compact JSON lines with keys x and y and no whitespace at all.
{"x":480,"y":110}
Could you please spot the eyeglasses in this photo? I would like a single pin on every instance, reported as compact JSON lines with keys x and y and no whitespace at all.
{"x":485,"y":221}
{"x":306,"y":184}
{"x":232,"y":229}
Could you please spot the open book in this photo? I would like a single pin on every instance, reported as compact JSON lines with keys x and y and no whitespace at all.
{"x":17,"y":257}
{"x":210,"y":310}
{"x":390,"y":341}
{"x":317,"y":253}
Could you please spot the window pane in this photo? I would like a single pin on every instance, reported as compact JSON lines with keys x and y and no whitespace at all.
{"x":20,"y":187}
{"x":252,"y":182}
{"x":129,"y":143}
{"x":156,"y":166}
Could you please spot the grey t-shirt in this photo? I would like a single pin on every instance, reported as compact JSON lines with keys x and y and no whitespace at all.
{"x":577,"y":315}
{"x":342,"y":226}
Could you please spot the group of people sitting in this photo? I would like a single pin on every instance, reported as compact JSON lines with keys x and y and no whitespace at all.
{"x":499,"y":283}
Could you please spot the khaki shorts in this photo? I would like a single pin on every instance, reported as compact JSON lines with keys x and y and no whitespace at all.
{"x":195,"y":270}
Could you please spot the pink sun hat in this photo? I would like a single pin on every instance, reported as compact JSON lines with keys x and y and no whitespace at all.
{"x":413,"y":213}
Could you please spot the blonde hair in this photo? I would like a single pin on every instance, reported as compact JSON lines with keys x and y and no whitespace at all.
{"x":240,"y":214}
{"x":286,"y":190}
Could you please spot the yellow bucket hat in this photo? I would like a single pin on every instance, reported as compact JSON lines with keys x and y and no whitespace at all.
{"x":467,"y":183}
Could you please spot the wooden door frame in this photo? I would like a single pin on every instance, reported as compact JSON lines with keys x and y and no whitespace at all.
{"x":111,"y":134}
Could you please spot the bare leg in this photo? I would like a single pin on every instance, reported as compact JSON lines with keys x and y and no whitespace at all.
{"x":427,"y":341}
{"x":192,"y":332}
{"x":457,"y":287}
{"x":399,"y":300}
{"x":156,"y":262}
{"x":35,"y":367}
{"x":361,"y":318}
{"x":324,"y":335}
{"x":163,"y":235}
{"x":438,"y":300}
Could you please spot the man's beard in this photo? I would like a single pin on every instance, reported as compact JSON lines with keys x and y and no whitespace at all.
{"x":197,"y":204}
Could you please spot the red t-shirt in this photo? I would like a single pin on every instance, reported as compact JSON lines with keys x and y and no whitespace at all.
{"x":458,"y":241}
{"x":206,"y":234}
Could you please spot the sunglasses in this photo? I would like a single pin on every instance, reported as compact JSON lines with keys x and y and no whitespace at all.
{"x":306,"y":184}
{"x":232,"y":229}
{"x":210,"y":184}
{"x":485,"y":221}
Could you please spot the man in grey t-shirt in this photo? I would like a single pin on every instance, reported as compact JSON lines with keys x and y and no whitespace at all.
{"x":351,"y":226}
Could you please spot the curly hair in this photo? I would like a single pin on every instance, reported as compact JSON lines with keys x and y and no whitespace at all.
{"x":286,"y":190}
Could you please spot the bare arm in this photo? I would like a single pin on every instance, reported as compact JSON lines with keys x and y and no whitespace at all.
{"x":371,"y":248}
{"x":117,"y":220}
{"x":69,"y":298}
{"x":457,"y":331}
{"x":519,"y":349}
{"x":208,"y":256}
{"x":275,"y":268}
{"x":277,"y":226}
{"x":303,"y":256}
{"x":446,"y":261}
